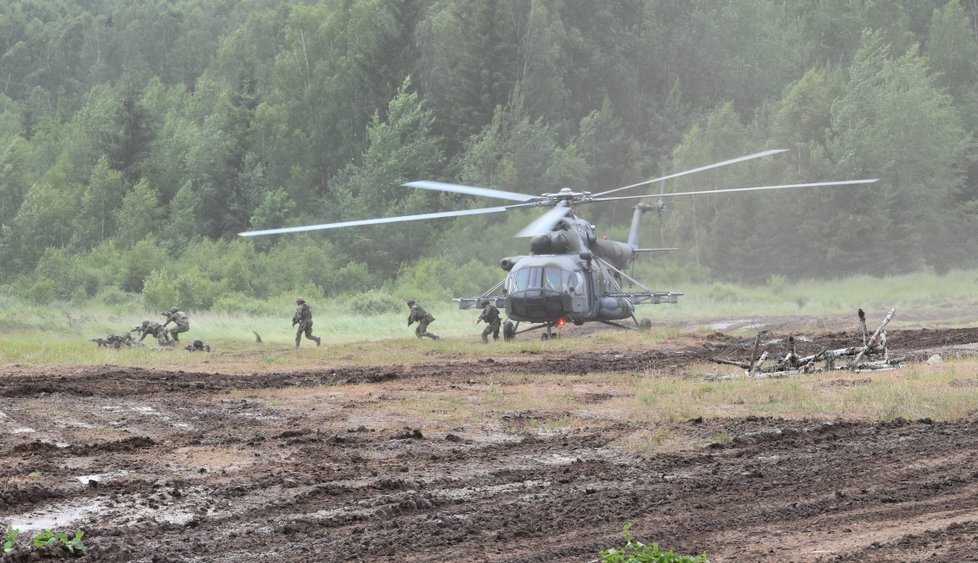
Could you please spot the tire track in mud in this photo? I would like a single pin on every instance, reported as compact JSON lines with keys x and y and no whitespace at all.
{"x":103,"y":381}
{"x":241,"y":480}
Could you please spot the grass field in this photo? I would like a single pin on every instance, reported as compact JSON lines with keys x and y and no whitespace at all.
{"x":59,"y":336}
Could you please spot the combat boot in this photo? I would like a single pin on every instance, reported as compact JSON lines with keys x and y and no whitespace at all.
{"x":485,"y":339}
{"x":318,"y":340}
{"x":297,"y":339}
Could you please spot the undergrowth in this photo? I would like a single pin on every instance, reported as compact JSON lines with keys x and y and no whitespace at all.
{"x":635,"y":551}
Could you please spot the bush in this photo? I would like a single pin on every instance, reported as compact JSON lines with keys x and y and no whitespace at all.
{"x":777,"y":284}
{"x":158,"y":290}
{"x":351,"y":278}
{"x":114,"y":296}
{"x":75,"y":278}
{"x":241,"y":303}
{"x":723,"y":293}
{"x":195,"y":290}
{"x":39,"y":291}
{"x":375,"y":302}
{"x":139,"y":262}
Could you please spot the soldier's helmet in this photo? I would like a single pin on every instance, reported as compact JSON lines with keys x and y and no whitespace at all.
{"x":483,"y":302}
{"x":410,"y":302}
{"x":174,"y":309}
{"x":300,"y":301}
{"x":145,"y":324}
{"x":198,"y":343}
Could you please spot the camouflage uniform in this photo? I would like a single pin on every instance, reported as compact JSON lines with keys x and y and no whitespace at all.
{"x":154,"y":328}
{"x":197,"y":346}
{"x":303,"y":318}
{"x":178,"y":318}
{"x":490,"y":314}
{"x":423,"y":318}
{"x":115,"y":341}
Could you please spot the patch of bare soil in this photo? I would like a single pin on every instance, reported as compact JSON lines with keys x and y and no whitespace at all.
{"x":339,"y":464}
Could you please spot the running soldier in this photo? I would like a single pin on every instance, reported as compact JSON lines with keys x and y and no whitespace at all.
{"x":180,"y":321}
{"x":490,"y":314}
{"x":423,"y":318}
{"x":303,"y":318}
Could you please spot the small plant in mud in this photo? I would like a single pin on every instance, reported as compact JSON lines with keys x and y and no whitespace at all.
{"x":72,"y":544}
{"x":10,"y":540}
{"x":637,"y":552}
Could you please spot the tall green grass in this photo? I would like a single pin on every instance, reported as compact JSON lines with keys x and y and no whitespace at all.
{"x":60,"y":332}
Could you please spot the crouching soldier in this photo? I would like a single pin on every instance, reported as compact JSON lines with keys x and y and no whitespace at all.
{"x":180,"y":321}
{"x":303,"y":318}
{"x":423,"y":318}
{"x":154,"y":328}
{"x":490,"y":314}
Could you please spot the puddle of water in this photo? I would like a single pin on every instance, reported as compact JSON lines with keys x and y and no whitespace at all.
{"x":56,"y":517}
{"x":99,"y":477}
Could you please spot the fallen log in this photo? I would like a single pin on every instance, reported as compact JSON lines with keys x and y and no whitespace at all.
{"x":872,"y":340}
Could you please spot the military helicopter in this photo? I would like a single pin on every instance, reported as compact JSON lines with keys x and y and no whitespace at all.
{"x":570,"y":274}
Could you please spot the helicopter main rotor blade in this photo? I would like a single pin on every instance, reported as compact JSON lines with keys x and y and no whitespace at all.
{"x":381,"y":220}
{"x":694,"y":170}
{"x":753,"y":189}
{"x":470,"y":190}
{"x":543,"y":224}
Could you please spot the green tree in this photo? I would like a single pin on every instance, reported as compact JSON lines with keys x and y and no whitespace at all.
{"x":96,"y":219}
{"x":402,"y":148}
{"x":894,"y":123}
{"x":952,"y":51}
{"x":140,"y":215}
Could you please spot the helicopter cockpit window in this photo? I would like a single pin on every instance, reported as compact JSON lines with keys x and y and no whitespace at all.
{"x":538,"y":277}
{"x":520,"y":280}
{"x":551,"y":279}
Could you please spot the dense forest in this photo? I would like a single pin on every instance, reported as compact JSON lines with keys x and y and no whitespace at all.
{"x":139,"y":137}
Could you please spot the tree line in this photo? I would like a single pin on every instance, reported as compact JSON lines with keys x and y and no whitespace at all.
{"x":137,"y":138}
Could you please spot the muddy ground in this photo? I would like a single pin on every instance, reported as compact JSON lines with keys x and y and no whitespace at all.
{"x":354,"y":463}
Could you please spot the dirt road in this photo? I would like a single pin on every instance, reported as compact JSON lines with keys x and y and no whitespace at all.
{"x":354,"y":463}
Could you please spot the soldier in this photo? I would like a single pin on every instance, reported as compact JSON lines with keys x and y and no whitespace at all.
{"x":179,"y":319}
{"x":154,"y":328}
{"x":423,"y":318}
{"x":303,"y":318}
{"x":490,"y":314}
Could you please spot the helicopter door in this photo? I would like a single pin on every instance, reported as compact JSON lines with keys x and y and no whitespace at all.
{"x":575,"y":286}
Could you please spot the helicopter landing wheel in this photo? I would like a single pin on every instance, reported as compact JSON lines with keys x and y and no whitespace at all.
{"x":645,"y":324}
{"x":509,"y":331}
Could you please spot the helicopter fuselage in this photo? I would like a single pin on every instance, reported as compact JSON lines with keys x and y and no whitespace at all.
{"x":550,"y":288}
{"x":567,"y":277}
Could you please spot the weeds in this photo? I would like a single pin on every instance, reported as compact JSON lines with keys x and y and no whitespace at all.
{"x":637,"y":552}
{"x":73,"y":544}
{"x":10,"y":540}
